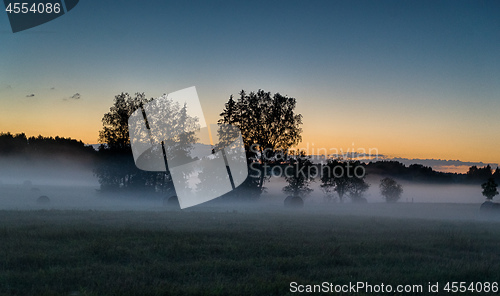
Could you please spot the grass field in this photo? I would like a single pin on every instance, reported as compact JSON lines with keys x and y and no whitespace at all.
{"x":231,"y":251}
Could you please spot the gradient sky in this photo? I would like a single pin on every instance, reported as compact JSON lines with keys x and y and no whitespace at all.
{"x":414,"y":79}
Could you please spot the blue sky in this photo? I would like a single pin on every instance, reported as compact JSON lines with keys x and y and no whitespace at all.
{"x":415,"y":79}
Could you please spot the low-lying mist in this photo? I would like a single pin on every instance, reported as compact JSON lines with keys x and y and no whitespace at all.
{"x":50,"y":171}
{"x":71,"y":185}
{"x":413,"y":192}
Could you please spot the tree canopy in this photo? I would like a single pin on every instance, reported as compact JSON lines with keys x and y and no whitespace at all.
{"x":268,"y":122}
{"x":116,"y":168}
{"x":114,"y":133}
{"x":340,"y":177}
{"x":390,"y":189}
{"x":299,"y":174}
{"x":490,"y":189}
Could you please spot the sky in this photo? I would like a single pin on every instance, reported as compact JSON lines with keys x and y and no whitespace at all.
{"x":409,"y":79}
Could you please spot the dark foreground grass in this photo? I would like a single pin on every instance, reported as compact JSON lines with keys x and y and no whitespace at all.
{"x":231,"y":253}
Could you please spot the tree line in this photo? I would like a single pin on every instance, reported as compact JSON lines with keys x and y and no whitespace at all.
{"x":269,"y":125}
{"x":21,"y":145}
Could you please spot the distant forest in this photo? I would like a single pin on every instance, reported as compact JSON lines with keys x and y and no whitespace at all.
{"x":421,"y":173}
{"x":32,"y":148}
{"x":20,"y":145}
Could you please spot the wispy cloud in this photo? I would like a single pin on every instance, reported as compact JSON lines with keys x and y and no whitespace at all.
{"x":76,"y":96}
{"x":441,"y":162}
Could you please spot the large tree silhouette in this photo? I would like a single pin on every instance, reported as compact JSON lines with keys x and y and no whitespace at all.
{"x":114,"y":133}
{"x":268,"y":123}
{"x":116,"y":168}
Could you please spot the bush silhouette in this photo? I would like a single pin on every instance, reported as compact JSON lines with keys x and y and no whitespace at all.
{"x":490,"y":189}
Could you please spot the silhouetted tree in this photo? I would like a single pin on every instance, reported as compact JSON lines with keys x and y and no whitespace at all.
{"x":299,"y":174}
{"x":490,"y":189}
{"x":357,"y":188}
{"x":390,"y":189}
{"x":334,"y":178}
{"x":116,"y":168}
{"x":267,"y":122}
{"x":476,"y":174}
{"x":339,"y":176}
{"x":114,"y":133}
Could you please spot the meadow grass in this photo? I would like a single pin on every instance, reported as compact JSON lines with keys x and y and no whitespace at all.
{"x":51,"y":252}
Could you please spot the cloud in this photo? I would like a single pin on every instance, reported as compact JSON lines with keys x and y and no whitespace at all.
{"x":30,"y":95}
{"x":76,"y":96}
{"x":442,"y":162}
{"x":442,"y":165}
